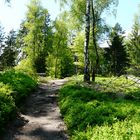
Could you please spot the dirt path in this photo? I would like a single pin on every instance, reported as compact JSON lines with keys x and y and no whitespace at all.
{"x":41,"y":119}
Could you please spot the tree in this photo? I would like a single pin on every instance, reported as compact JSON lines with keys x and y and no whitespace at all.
{"x":85,"y":13}
{"x":2,"y":45}
{"x":20,"y":44}
{"x":76,"y":47}
{"x":133,"y":46}
{"x":2,"y":38}
{"x":9,"y":53}
{"x":134,"y":43}
{"x":37,"y":39}
{"x":86,"y":52}
{"x":60,"y":60}
{"x":116,"y":55}
{"x":97,"y":8}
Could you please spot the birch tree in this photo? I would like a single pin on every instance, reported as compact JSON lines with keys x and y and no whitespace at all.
{"x":86,"y":45}
{"x":88,"y":14}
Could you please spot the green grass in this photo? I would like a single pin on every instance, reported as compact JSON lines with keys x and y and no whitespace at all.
{"x":101,"y":114}
{"x":14,"y":88}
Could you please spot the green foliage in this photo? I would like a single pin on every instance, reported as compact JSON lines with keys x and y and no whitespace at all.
{"x":7,"y":105}
{"x":117,"y":85}
{"x":124,"y":130}
{"x":20,"y":83}
{"x":67,"y":66}
{"x":5,"y":89}
{"x":26,"y":66}
{"x":14,"y":87}
{"x":2,"y":38}
{"x":59,"y":63}
{"x":103,"y":114}
{"x":8,"y":52}
{"x":133,"y":47}
{"x":77,"y":49}
{"x":78,"y":9}
{"x":36,"y":34}
{"x":116,"y":57}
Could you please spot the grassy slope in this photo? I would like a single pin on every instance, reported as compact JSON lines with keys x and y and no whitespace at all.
{"x":110,"y":112}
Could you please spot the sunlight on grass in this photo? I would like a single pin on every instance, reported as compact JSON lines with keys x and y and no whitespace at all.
{"x":101,"y":115}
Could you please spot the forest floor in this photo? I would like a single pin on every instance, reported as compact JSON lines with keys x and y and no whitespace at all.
{"x":40,"y":118}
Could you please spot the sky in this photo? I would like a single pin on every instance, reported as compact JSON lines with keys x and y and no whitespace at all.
{"x":11,"y":17}
{"x":125,"y":14}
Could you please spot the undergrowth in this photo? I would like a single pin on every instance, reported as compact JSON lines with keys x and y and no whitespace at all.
{"x":14,"y":88}
{"x":101,"y":114}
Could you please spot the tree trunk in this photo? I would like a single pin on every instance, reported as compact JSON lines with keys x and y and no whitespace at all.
{"x":86,"y":45}
{"x":56,"y":60}
{"x":94,"y":69}
{"x":55,"y":71}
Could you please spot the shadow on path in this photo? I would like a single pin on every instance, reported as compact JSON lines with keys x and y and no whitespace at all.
{"x":41,"y":118}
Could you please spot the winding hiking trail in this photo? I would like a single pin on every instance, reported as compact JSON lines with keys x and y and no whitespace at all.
{"x":41,"y":119}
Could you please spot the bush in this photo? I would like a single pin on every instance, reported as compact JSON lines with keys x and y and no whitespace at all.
{"x":14,"y":88}
{"x":20,"y":83}
{"x":91,"y":114}
{"x":7,"y":105}
{"x":26,"y":66}
{"x":125,"y":130}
